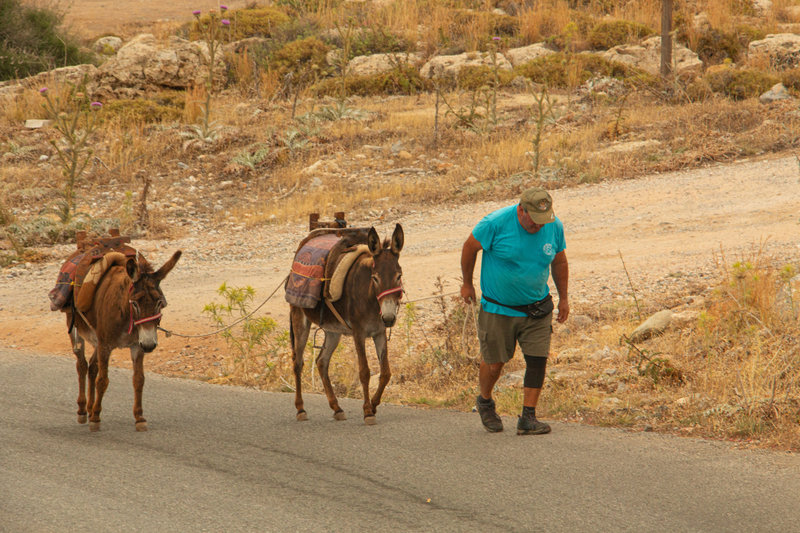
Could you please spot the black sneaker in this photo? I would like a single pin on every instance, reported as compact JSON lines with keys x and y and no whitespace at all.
{"x":491,"y":421}
{"x":528,"y":425}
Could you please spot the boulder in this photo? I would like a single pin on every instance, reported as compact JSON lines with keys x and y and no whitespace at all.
{"x":655,"y":325}
{"x":782,"y":49}
{"x":146,"y":64}
{"x":379,"y":63}
{"x":519,"y":56}
{"x":777,"y":92}
{"x":74,"y":75}
{"x":108,"y":45}
{"x":647,"y":56}
{"x":449,"y":66}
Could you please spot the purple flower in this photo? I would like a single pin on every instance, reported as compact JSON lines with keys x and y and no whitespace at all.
{"x":495,"y":38}
{"x":43,"y":90}
{"x":196,"y":12}
{"x":96,"y":105}
{"x":226,"y":22}
{"x":223,"y":8}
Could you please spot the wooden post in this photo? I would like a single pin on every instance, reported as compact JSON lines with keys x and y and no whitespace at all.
{"x":666,"y":38}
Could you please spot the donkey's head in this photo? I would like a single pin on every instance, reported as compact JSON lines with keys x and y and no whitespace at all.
{"x":386,"y":283}
{"x":146,"y":299}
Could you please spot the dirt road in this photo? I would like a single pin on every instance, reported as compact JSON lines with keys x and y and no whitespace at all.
{"x":668,"y":229}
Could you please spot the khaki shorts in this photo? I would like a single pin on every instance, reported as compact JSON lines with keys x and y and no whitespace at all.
{"x":499,"y":335}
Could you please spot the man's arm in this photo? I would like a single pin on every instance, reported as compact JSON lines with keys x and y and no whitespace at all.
{"x":560,"y":271}
{"x":469,"y":254}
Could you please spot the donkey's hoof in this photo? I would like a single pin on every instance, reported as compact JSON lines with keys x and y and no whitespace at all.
{"x":370,"y":420}
{"x":301,"y":416}
{"x":141,"y":426}
{"x":339,"y":415}
{"x":94,"y":426}
{"x":82,"y":419}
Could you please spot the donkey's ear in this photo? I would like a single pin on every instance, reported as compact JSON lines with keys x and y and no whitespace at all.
{"x":132,"y":268}
{"x":398,"y":238}
{"x":162,"y":272}
{"x":373,"y":241}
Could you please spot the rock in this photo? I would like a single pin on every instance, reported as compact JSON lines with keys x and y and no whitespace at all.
{"x":108,"y":45}
{"x":146,"y":64}
{"x":378,"y":63}
{"x":520,"y":56}
{"x":782,"y":49}
{"x":647,"y":56}
{"x":448,"y":67}
{"x":776,"y":93}
{"x":36,"y":123}
{"x":655,"y":325}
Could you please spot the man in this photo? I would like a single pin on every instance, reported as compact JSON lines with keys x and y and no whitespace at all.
{"x":522,"y":245}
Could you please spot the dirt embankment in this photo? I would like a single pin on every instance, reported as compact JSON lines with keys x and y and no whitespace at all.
{"x":669,"y":229}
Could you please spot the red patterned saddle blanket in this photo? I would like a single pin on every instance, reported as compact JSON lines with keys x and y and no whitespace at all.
{"x":306,"y":280}
{"x":77,"y":266}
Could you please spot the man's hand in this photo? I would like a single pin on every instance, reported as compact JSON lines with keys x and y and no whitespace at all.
{"x":468,"y":293}
{"x":563,"y":310}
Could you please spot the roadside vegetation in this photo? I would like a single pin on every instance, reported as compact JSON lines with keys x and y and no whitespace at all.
{"x":291,"y":103}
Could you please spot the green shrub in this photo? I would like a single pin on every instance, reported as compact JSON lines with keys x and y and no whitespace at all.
{"x":402,"y":79}
{"x":299,"y":57}
{"x":613,"y":33}
{"x":31,"y":41}
{"x":791,"y":78}
{"x":553,"y":70}
{"x":378,"y":42}
{"x":714,"y":46}
{"x":140,"y":110}
{"x":256,"y":21}
{"x":473,"y":77}
{"x":739,"y":83}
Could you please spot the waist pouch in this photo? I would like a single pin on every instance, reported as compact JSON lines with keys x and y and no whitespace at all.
{"x":539,"y":309}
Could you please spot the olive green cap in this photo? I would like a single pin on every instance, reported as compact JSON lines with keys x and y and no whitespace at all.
{"x":538,"y":204}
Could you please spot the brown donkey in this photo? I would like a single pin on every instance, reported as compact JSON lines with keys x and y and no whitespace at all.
{"x":123,"y":312}
{"x":368,"y":305}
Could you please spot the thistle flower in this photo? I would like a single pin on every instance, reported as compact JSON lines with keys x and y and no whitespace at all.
{"x":223,"y":8}
{"x":495,"y":38}
{"x":43,"y":90}
{"x":95,"y":105}
{"x":226,"y":22}
{"x":196,"y":12}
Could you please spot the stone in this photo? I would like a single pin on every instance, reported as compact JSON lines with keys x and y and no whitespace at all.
{"x":655,"y":325}
{"x":647,"y":56}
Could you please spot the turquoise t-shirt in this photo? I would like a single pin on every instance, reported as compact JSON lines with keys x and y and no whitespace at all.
{"x":515,"y":264}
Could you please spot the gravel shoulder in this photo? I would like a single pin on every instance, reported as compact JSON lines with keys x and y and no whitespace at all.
{"x":669,"y":229}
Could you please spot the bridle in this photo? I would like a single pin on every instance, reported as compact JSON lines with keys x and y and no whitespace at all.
{"x":140,"y":321}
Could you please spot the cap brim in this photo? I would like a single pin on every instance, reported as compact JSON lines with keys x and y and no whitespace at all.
{"x":542,"y":218}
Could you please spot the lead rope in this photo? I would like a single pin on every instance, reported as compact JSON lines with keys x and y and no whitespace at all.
{"x":229,"y":326}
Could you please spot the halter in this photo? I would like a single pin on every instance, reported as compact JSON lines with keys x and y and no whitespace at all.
{"x":133,"y":322}
{"x":385,"y":293}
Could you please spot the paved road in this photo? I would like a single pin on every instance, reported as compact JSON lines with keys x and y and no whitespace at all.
{"x":230,"y":459}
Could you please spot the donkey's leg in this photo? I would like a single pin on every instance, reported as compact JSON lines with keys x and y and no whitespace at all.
{"x":363,"y":376}
{"x":386,"y":373}
{"x":137,"y":358}
{"x":323,"y":362}
{"x":92,"y":381}
{"x":299,"y":327}
{"x":101,"y":384}
{"x":78,"y":348}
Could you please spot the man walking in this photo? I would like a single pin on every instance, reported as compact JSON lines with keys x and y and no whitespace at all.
{"x":522,"y":245}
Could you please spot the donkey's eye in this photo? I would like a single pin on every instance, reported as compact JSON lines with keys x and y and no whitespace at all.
{"x":135,"y":306}
{"x":375,"y":279}
{"x":161,"y":304}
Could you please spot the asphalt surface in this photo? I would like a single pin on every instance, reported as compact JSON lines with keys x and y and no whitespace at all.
{"x":231,"y":459}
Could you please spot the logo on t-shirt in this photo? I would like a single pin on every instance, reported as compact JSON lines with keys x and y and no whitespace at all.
{"x":548,"y":249}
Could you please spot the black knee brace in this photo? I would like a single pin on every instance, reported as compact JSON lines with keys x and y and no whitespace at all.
{"x":534,"y":371}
